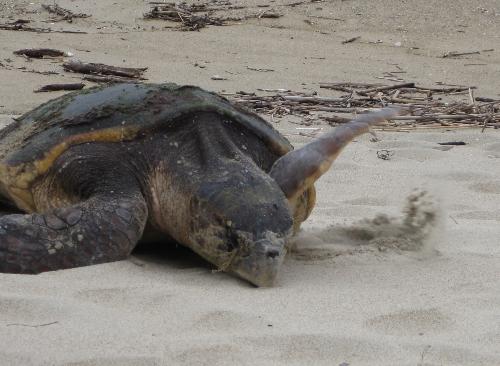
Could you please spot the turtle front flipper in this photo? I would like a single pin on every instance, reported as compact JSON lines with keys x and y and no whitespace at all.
{"x":297,"y":171}
{"x":103,"y":228}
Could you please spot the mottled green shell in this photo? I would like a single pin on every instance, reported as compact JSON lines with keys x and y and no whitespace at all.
{"x":114,"y":113}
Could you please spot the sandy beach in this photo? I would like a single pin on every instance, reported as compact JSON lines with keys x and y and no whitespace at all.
{"x":341,"y":298}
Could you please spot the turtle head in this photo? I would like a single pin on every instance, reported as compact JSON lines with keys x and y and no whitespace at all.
{"x":241,"y":222}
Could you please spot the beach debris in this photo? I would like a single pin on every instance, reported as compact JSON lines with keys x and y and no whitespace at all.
{"x":185,"y":14}
{"x":102,"y":69}
{"x":279,"y":90}
{"x":297,"y":3}
{"x":385,"y":154}
{"x":109,"y":79}
{"x":196,"y":64}
{"x":31,"y":325}
{"x":62,"y":13}
{"x":259,"y":69}
{"x":58,"y":87}
{"x":458,"y":54}
{"x":41,"y":53}
{"x":218,"y":77}
{"x":428,"y":107}
{"x":487,"y":100}
{"x":453,"y":143}
{"x":350,"y":40}
{"x":21,"y":25}
{"x":197,"y":16}
{"x":268,"y":14}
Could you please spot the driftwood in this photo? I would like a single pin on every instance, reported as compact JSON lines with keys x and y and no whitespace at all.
{"x":102,"y":69}
{"x":40,"y":52}
{"x":424,"y":110}
{"x":57,"y":87}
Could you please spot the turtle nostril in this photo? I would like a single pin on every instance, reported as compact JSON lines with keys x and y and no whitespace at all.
{"x":272,"y":253}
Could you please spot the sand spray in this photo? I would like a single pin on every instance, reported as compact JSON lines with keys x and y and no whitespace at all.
{"x":415,"y":232}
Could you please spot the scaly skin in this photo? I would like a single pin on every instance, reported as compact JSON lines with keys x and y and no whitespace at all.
{"x":101,"y":229}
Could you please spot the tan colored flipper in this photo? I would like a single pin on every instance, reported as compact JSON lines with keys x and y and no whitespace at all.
{"x":299,"y":169}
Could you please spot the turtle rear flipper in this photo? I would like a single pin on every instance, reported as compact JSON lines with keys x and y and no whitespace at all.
{"x":103,"y":228}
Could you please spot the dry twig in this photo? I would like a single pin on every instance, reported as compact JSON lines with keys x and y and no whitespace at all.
{"x":350,"y":40}
{"x":108,"y":79}
{"x":31,"y":325}
{"x":424,"y":111}
{"x":64,"y":14}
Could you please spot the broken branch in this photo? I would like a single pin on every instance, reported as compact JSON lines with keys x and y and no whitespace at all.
{"x":40,"y":52}
{"x":102,"y":69}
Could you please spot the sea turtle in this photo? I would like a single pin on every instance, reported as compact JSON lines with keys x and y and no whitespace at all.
{"x":86,"y":176}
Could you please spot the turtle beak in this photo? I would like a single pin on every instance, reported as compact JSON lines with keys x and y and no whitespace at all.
{"x":259,"y":262}
{"x":297,"y":171}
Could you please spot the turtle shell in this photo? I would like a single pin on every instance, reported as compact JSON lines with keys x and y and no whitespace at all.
{"x":30,"y":145}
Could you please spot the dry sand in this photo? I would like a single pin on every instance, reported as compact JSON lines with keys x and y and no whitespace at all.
{"x":345,"y":296}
